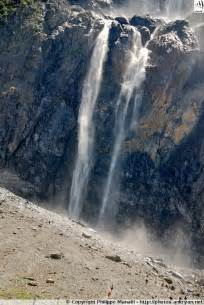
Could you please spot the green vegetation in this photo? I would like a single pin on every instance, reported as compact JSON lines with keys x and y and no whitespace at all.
{"x":21,"y":293}
{"x":15,"y":293}
{"x":7,"y":7}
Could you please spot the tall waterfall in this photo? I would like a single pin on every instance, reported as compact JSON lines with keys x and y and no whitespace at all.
{"x":90,"y":94}
{"x":130,"y":93}
{"x":176,"y":8}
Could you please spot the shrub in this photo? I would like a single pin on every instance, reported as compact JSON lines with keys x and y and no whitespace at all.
{"x":7,"y":7}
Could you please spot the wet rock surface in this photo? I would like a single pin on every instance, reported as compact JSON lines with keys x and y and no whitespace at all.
{"x":45,"y":52}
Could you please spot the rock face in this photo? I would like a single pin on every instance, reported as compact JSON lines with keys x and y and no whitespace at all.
{"x":44,"y":56}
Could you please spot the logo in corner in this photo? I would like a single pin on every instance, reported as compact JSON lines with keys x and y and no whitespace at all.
{"x":199,"y":6}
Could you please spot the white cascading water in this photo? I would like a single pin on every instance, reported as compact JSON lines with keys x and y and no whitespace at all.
{"x":133,"y":78}
{"x":90,"y":94}
{"x":175,"y":8}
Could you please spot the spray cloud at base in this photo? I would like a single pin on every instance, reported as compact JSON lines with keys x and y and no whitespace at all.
{"x":173,"y":249}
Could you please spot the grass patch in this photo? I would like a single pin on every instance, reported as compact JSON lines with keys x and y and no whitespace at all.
{"x":15,"y":293}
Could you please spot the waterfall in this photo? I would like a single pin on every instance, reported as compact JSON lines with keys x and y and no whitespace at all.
{"x":172,"y":9}
{"x":129,"y":93}
{"x":90,"y":94}
{"x":175,"y":8}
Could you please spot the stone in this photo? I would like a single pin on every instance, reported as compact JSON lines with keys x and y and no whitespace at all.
{"x":160,"y":263}
{"x":92,"y":230}
{"x":114,"y":258}
{"x":122,"y":20}
{"x":50,"y":281}
{"x":115,"y":32}
{"x":177,"y":275}
{"x":168,"y":280}
{"x":56,"y":255}
{"x":147,"y":22}
{"x":86,"y":235}
{"x":32,"y":284}
{"x":127,"y":264}
{"x":145,"y":33}
{"x":29,"y":278}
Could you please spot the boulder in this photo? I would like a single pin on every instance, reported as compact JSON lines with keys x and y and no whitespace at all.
{"x":148,"y":22}
{"x":114,"y":258}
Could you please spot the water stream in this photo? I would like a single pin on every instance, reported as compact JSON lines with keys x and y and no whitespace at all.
{"x":90,"y":94}
{"x":130,"y":93}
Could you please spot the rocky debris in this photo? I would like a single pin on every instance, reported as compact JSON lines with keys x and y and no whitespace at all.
{"x":28,"y":278}
{"x":114,"y":258}
{"x":50,"y":281}
{"x":159,"y":263}
{"x":126,"y":264}
{"x":177,"y":275}
{"x":88,"y":268}
{"x":2,"y":201}
{"x":74,"y":274}
{"x":154,"y":268}
{"x":146,"y":22}
{"x":122,"y":20}
{"x":92,"y":230}
{"x":86,"y":235}
{"x":55,"y":256}
{"x":32,"y":284}
{"x":79,"y":223}
{"x":92,"y":247}
{"x":168,"y":280}
{"x":145,"y":33}
{"x":115,"y":32}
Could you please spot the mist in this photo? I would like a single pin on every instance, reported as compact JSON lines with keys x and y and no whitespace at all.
{"x":170,"y":9}
{"x":174,"y":248}
{"x":197,"y":24}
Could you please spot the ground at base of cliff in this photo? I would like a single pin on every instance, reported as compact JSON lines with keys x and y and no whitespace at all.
{"x":46,"y":255}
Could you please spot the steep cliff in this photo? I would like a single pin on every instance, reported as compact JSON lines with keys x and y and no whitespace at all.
{"x":44,"y":56}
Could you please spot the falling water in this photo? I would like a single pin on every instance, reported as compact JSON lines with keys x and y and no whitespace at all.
{"x":90,"y":94}
{"x":175,"y":8}
{"x":133,"y":79}
{"x":172,"y":9}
